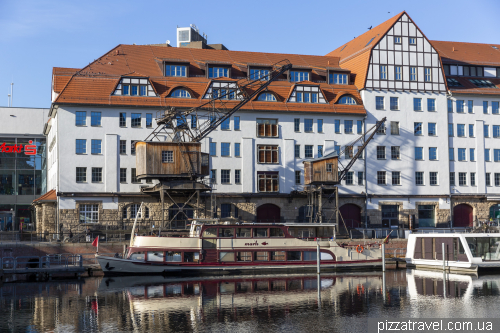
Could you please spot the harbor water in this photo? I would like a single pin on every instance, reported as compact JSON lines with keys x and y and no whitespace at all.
{"x":289,"y":303}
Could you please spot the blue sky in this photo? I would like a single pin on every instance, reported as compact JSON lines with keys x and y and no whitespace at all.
{"x":38,"y":35}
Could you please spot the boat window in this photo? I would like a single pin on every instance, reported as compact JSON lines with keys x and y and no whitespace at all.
{"x":326,"y":256}
{"x":226,"y":232}
{"x":260,"y":232}
{"x":226,"y":256}
{"x":155,"y":256}
{"x":243,"y":287}
{"x":244,"y":256}
{"x":191,"y":256}
{"x":293,"y":255}
{"x":294,"y":284}
{"x":210,"y":232}
{"x":310,"y":255}
{"x":277,"y":232}
{"x":278,"y":285}
{"x":137,"y":256}
{"x":172,"y":256}
{"x":278,"y":255}
{"x":488,"y":248}
{"x":461,"y":249}
{"x":243,"y":232}
{"x":227,"y":288}
{"x":261,"y":256}
{"x":261,"y":286}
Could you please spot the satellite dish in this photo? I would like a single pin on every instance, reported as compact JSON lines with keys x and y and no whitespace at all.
{"x":168,"y":42}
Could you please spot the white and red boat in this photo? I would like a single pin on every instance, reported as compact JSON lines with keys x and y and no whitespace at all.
{"x":251,"y":248}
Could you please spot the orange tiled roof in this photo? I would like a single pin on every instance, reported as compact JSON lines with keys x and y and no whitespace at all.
{"x":95,"y":83}
{"x":471,"y":53}
{"x":49,"y":196}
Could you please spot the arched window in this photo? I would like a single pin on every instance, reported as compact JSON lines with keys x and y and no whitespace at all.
{"x":266,"y":97}
{"x":180,"y":93}
{"x":134,"y":208}
{"x":347,"y":100}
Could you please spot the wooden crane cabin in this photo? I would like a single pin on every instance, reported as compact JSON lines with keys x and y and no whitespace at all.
{"x":170,"y":160}
{"x":322,"y":170}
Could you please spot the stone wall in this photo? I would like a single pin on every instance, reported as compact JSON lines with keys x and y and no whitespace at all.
{"x":45,"y":217}
{"x":480,"y":206}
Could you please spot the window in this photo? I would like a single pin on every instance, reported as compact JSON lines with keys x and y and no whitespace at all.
{"x":494,"y":108}
{"x":496,"y":155}
{"x":413,"y":73}
{"x":486,"y":130}
{"x":395,"y":153}
{"x":452,"y":179}
{"x":431,"y":129}
{"x":133,"y":176}
{"x":225,"y":176}
{"x":81,"y":175}
{"x":452,"y":82}
{"x":308,"y":125}
{"x":488,"y":179}
{"x":380,"y":152}
{"x":132,"y":147}
{"x":381,"y":177}
{"x":297,"y":177}
{"x":417,"y":128}
{"x":320,"y":150}
{"x":482,"y":83}
{"x":360,"y":177}
{"x":359,"y":126}
{"x":194,"y":121}
{"x":329,"y":167}
{"x":451,"y":153}
{"x":396,"y":178}
{"x":268,"y":182}
{"x":471,"y":130}
{"x":304,"y":94}
{"x":308,"y":151}
{"x":213,"y":176}
{"x":419,"y":153}
{"x":81,"y":118}
{"x":381,"y":130}
{"x":135,"y":120}
{"x":134,"y":212}
{"x":96,"y":146}
{"x":460,"y":130}
{"x":472,"y":179}
{"x":432,"y":153}
{"x":95,"y":118}
{"x":347,"y":100}
{"x":431,"y":104}
{"x":394,"y":103}
{"x":379,"y":102}
{"x":237,"y":149}
{"x":81,"y":146}
{"x":433,"y":178}
{"x":417,"y":104}
{"x":297,"y":151}
{"x":96,"y":175}
{"x":348,"y":126}
{"x":267,"y":154}
{"x":412,"y":40}
{"x":427,"y":75}
{"x":485,"y":107}
{"x":236,"y":123}
{"x":337,"y":125}
{"x":298,"y":76}
{"x":419,"y":178}
{"x":175,"y":70}
{"x":398,"y":73}
{"x":450,"y":130}
{"x":320,"y":125}
{"x":349,"y":178}
{"x":450,"y":106}
{"x":213,"y":149}
{"x":225,"y":149}
{"x":338,"y":79}
{"x":149,"y":120}
{"x":89,"y":213}
{"x":237,"y":176}
{"x":259,"y":74}
{"x":487,"y":157}
{"x":497,"y":179}
{"x":460,"y":107}
{"x":225,"y":125}
{"x":383,"y":72}
{"x":123,"y":175}
{"x":214,"y":72}
{"x":123,"y":119}
{"x":397,"y":40}
{"x":296,"y":124}
{"x":461,"y":154}
{"x":337,"y":149}
{"x":470,"y":106}
{"x":496,"y":131}
{"x":167,"y":156}
{"x":462,"y":178}
{"x":394,"y":127}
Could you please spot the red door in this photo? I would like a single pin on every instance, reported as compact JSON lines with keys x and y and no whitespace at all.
{"x":462,"y":216}
{"x":351,"y":215}
{"x":268,"y":213}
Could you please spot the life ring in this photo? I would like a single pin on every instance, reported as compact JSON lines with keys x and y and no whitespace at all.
{"x":360,"y":248}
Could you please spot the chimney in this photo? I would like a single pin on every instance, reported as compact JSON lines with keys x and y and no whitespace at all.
{"x":453,"y":49}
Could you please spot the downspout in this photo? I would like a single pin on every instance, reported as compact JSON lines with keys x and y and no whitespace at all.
{"x":449,"y":95}
{"x":364,"y":175}
{"x":58,"y":177}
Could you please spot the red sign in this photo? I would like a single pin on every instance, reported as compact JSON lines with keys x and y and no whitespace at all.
{"x":28,"y":149}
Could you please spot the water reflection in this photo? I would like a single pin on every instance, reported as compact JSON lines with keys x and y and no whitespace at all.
{"x":285,"y":303}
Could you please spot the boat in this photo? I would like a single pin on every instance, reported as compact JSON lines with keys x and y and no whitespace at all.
{"x":223,"y":248}
{"x":464,"y":252}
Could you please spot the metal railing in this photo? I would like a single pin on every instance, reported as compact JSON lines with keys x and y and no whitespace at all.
{"x":32,"y":262}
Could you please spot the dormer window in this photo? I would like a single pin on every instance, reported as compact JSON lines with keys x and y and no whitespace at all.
{"x":223,"y":90}
{"x":266,"y":97}
{"x":134,"y":87}
{"x":175,"y":70}
{"x":349,"y":100}
{"x":338,"y":78}
{"x":298,"y":76}
{"x":180,"y":93}
{"x":215,"y":72}
{"x":259,"y":73}
{"x":307,"y":94}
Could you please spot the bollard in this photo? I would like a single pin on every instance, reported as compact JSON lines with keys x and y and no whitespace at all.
{"x":444,"y":256}
{"x":318,"y":257}
{"x":383,"y":257}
